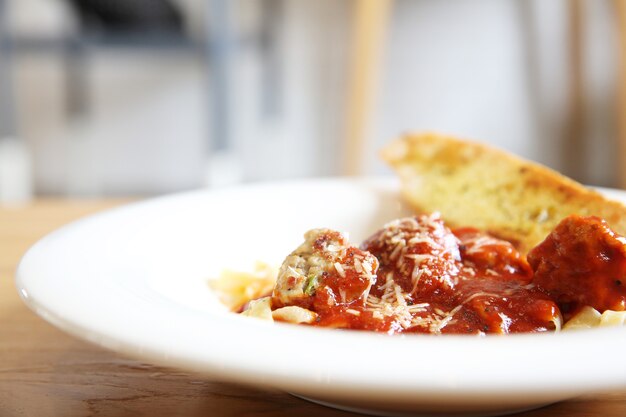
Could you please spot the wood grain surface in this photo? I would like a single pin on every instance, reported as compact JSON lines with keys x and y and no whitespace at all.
{"x":44,"y":372}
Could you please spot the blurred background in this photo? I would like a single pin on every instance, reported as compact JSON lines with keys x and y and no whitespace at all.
{"x":142,"y":97}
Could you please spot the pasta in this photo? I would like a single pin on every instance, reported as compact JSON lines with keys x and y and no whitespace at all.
{"x":589,"y":317}
{"x":236,"y":288}
{"x":416,"y":275}
{"x":586,"y":318}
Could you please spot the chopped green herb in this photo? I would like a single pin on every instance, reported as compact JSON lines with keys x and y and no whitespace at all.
{"x":311,"y":283}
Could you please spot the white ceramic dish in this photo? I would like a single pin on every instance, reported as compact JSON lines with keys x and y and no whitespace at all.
{"x":135,"y":280}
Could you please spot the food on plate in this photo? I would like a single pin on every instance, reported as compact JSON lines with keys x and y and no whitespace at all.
{"x":582,"y":263}
{"x":473,"y":184}
{"x":236,"y":288}
{"x":499,"y":245}
{"x":416,"y":275}
{"x":324,"y":270}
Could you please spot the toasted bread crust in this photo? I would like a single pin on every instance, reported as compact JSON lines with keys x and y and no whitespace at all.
{"x":472,"y":184}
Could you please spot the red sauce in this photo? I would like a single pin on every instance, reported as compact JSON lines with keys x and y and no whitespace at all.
{"x":436,"y":280}
{"x":582,"y":263}
{"x":468,"y":283}
{"x":431,"y":279}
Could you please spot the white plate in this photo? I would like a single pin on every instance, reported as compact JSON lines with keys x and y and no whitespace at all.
{"x":135,"y":280}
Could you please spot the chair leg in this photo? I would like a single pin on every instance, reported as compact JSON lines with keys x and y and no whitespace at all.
{"x":370,"y":25}
{"x":620,"y":12}
{"x":575,"y":135}
{"x":7,"y":110}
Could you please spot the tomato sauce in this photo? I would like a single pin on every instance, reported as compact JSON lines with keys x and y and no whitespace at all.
{"x":431,"y":279}
{"x":582,"y":263}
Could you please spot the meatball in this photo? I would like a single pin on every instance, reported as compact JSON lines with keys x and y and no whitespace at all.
{"x":420,"y":252}
{"x":581,"y":263}
{"x":325,"y":271}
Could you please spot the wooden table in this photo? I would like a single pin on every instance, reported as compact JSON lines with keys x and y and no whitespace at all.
{"x":44,"y":372}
